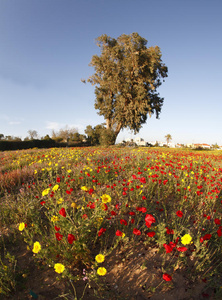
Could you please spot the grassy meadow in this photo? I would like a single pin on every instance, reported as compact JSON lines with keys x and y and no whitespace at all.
{"x":110,"y":223}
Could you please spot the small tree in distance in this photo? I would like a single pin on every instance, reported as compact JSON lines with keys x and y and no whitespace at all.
{"x":168,"y":138}
{"x":127,"y":75}
{"x":33,"y":134}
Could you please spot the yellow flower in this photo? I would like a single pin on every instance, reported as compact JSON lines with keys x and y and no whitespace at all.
{"x":59,"y":268}
{"x":106,"y":198}
{"x":186,"y":239}
{"x":69,"y":171}
{"x":45,"y":192}
{"x":54,"y":218}
{"x":60,"y":200}
{"x":101,"y":271}
{"x":21,"y":226}
{"x":36,"y":247}
{"x":74,"y":205}
{"x":84,"y":188}
{"x":55,"y":188}
{"x":100,"y":258}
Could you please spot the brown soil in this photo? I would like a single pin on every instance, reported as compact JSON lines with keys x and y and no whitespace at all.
{"x":132,"y":273}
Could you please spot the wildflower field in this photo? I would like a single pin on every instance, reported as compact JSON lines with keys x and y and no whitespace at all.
{"x":110,"y":223}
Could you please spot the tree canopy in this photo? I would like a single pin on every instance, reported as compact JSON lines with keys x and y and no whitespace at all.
{"x":127,"y":75}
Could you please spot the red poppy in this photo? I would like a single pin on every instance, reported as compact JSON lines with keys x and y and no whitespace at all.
{"x":58,"y":179}
{"x":168,"y":248}
{"x":42,"y":203}
{"x":101,"y":231}
{"x":149,"y":219}
{"x":143,"y":180}
{"x":219,"y":232}
{"x":84,"y":216}
{"x":92,"y":206}
{"x":207,"y":236}
{"x":142,"y":209}
{"x":62,"y":212}
{"x":58,"y":236}
{"x":169,"y":231}
{"x":131,"y":213}
{"x":217,"y":221}
{"x":71,"y":238}
{"x":123,"y":222}
{"x":91,"y":191}
{"x":179,"y":214}
{"x":119,"y":233}
{"x":167,"y":277}
{"x":113,"y":213}
{"x":57,"y":228}
{"x":182,"y":249}
{"x":136,"y":231}
{"x":151,"y":233}
{"x":117,"y":206}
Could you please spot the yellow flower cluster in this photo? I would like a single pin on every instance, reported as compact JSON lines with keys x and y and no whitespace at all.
{"x":101,"y":271}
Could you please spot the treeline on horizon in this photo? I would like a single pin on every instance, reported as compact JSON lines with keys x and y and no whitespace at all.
{"x":65,"y":137}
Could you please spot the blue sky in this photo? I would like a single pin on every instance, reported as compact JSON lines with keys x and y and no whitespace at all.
{"x":47,"y":45}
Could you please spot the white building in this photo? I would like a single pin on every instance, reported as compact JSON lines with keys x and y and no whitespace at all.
{"x":140,"y":141}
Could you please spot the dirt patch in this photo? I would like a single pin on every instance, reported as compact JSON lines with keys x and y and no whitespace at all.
{"x":133,"y":273}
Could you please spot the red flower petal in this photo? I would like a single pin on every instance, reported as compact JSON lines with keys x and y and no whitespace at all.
{"x":58,"y":236}
{"x":71,"y":238}
{"x":62,"y":212}
{"x":167,"y":277}
{"x":179,"y":213}
{"x":136,"y":231}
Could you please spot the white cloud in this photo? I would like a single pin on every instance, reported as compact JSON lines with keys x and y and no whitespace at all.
{"x":56,"y":126}
{"x":53,"y":125}
{"x":14,"y":122}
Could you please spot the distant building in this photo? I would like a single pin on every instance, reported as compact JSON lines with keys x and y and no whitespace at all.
{"x":171,"y":145}
{"x":205,"y":146}
{"x":140,"y":142}
{"x":179,"y":145}
{"x":189,"y":145}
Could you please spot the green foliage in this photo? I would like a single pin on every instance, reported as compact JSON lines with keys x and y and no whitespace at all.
{"x":127,"y":75}
{"x":18,"y":145}
{"x":107,"y":137}
{"x":100,"y":135}
{"x":7,"y":274}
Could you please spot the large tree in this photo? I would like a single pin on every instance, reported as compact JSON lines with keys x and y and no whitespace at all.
{"x":127,"y":75}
